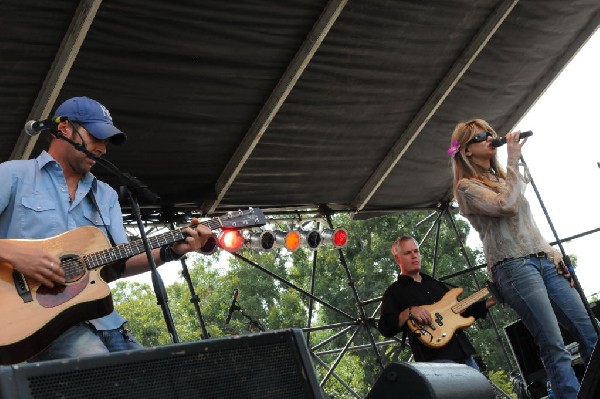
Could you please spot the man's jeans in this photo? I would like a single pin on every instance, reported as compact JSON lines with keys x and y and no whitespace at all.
{"x":83,"y":340}
{"x":543,"y":298}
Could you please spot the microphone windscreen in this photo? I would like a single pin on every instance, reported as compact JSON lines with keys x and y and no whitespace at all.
{"x":29,"y":130}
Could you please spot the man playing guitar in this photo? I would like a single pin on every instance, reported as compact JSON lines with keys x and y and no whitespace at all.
{"x":56,"y":193}
{"x":404,"y":301}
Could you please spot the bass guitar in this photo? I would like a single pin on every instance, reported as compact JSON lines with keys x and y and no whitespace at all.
{"x":33,"y":315}
{"x":447,"y":318}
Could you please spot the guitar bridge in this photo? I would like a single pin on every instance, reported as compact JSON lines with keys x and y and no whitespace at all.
{"x":22,"y":287}
{"x":424,"y":331}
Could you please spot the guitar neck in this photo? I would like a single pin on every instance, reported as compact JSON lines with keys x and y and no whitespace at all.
{"x":127,"y":250}
{"x":471,"y":299}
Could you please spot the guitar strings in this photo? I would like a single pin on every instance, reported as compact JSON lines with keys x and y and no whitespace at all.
{"x":74,"y":266}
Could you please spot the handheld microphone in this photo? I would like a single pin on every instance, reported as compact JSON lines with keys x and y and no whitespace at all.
{"x":501,"y":141}
{"x":232,"y":307}
{"x":33,"y":128}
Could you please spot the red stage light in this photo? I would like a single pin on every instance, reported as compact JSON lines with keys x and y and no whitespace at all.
{"x":340,"y":237}
{"x":231,"y":240}
{"x":336,"y":237}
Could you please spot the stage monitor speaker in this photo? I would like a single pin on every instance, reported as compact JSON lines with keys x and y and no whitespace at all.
{"x":430,"y":381}
{"x":526,"y":351}
{"x":528,"y":357}
{"x":266,"y":365}
{"x":591,"y":379}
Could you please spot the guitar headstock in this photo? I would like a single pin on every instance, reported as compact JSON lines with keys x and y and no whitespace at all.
{"x":252,"y":217}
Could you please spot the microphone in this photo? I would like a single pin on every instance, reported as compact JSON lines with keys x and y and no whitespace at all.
{"x":232,"y":307}
{"x":501,"y":141}
{"x":33,"y":128}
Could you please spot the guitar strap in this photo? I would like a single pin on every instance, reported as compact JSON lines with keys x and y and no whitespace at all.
{"x":93,"y":199}
{"x":109,"y":273}
{"x":403,"y":342}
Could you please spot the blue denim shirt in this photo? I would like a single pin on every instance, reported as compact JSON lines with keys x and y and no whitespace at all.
{"x":34,"y":203}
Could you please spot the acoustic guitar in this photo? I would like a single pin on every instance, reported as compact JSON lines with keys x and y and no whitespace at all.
{"x":447,"y":318}
{"x":32,"y":315}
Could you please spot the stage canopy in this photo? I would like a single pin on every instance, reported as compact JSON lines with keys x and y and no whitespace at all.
{"x":289,"y":104}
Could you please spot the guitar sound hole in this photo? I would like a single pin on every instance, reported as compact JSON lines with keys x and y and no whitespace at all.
{"x":73,"y":267}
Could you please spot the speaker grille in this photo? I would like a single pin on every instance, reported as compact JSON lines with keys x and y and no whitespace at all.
{"x":229,"y":368}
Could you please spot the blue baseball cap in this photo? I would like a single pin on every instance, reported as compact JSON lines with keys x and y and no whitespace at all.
{"x":93,"y":116}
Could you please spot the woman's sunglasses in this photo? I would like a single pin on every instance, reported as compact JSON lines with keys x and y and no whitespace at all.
{"x":479,"y":137}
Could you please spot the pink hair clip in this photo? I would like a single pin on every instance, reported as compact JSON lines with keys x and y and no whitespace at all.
{"x":454,"y":148}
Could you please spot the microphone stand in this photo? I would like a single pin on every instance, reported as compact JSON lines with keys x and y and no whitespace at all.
{"x":252,"y":323}
{"x":194,"y":298}
{"x":130,"y":187}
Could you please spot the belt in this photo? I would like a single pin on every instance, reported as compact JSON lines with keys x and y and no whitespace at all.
{"x":538,"y":255}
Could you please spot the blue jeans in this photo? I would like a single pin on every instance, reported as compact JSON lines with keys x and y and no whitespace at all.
{"x":84,"y":340}
{"x":472,"y":363}
{"x":543,"y":299}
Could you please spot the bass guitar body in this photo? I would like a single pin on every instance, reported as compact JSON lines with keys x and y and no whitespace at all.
{"x":446,"y":320}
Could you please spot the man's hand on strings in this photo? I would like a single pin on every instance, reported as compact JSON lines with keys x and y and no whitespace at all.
{"x":36,"y":265}
{"x":196,"y":236}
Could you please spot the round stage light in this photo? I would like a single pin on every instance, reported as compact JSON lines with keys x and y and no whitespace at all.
{"x":231,"y":240}
{"x":336,"y":237}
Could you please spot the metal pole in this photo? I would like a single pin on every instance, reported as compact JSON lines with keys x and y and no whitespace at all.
{"x":564,"y":254}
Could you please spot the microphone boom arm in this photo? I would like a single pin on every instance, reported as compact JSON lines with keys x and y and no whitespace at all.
{"x":125,"y":178}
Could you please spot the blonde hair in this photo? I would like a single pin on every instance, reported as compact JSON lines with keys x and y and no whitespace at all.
{"x":462,"y":167}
